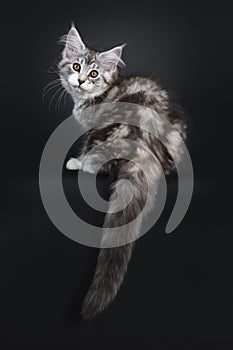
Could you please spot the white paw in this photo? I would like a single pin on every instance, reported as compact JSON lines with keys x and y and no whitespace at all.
{"x":73,"y":164}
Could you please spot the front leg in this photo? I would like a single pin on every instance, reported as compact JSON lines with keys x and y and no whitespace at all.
{"x":76,"y":163}
{"x":89,"y":163}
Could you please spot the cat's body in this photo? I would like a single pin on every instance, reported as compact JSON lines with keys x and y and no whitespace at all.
{"x":91,"y":78}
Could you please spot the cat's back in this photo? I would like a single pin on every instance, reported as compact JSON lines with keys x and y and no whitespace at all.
{"x":139,"y":90}
{"x":148,"y":92}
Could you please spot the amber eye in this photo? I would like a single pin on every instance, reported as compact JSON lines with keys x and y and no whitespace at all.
{"x":76,"y":67}
{"x":94,"y":73}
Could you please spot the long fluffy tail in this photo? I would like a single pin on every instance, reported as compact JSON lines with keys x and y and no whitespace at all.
{"x":110,"y":270}
{"x":113,"y":262}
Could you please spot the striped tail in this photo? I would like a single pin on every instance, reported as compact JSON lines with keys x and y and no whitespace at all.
{"x":112,"y":263}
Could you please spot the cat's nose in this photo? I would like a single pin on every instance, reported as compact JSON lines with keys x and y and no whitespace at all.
{"x":81,"y":81}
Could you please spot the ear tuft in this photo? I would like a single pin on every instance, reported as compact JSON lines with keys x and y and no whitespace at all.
{"x":73,"y":43}
{"x":112,"y":58}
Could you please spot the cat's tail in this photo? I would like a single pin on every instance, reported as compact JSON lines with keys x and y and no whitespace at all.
{"x":113,"y":262}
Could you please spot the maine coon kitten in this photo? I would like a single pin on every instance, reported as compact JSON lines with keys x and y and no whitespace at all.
{"x":92,"y":77}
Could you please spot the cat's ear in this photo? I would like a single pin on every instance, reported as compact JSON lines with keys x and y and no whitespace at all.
{"x":110,"y":59}
{"x":73,"y":44}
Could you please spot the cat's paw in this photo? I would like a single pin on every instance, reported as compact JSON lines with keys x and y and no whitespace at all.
{"x":73,"y":164}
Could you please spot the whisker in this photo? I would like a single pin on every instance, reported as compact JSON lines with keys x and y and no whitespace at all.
{"x":52,"y":70}
{"x":62,"y":97}
{"x":49,"y":87}
{"x":48,"y":90}
{"x":52,"y":82}
{"x":50,"y":103}
{"x":58,"y":103}
{"x":65,"y":98}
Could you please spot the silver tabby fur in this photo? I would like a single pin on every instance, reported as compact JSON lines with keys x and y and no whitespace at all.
{"x":108,"y":87}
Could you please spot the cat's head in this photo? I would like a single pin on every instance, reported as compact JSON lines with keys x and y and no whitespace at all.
{"x":85,"y":73}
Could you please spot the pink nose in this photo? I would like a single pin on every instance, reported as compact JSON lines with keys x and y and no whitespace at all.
{"x":81,"y":81}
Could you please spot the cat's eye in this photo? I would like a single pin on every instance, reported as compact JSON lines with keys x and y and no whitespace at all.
{"x":76,"y":67}
{"x":94,"y":73}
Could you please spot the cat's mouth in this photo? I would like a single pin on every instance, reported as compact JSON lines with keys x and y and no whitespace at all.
{"x":78,"y":87}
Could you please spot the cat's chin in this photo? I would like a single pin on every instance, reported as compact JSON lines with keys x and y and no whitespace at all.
{"x":80,"y":90}
{"x":86,"y":93}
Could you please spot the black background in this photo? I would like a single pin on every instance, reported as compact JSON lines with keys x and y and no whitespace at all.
{"x":178,"y":290}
